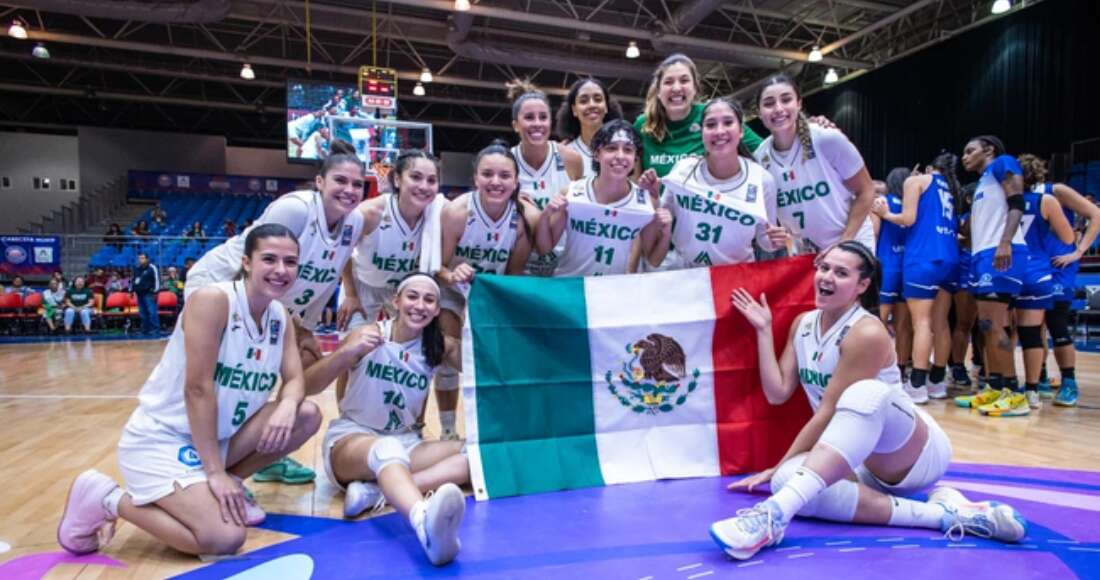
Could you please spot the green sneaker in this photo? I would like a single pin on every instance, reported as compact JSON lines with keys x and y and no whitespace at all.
{"x":286,"y":470}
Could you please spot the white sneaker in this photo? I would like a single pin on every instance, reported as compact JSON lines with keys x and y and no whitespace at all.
{"x":937,"y":390}
{"x":918,"y":395}
{"x":750,"y":531}
{"x":362,"y":495}
{"x":985,"y":519}
{"x":437,"y":524}
{"x":1033,"y":399}
{"x":85,"y":524}
{"x":254,"y":515}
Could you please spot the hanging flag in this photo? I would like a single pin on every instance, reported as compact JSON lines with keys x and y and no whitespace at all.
{"x":579,"y":382}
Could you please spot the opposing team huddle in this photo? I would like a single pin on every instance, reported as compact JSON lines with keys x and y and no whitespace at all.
{"x":687,"y":185}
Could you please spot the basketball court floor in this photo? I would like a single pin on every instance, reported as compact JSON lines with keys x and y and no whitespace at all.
{"x":63,"y":405}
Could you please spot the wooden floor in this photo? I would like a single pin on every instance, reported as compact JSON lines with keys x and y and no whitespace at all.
{"x":63,"y":406}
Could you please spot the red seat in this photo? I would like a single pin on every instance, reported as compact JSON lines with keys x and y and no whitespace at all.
{"x":33,"y":301}
{"x":167,"y":301}
{"x":29,"y":313}
{"x":118,"y":304}
{"x":10,"y":304}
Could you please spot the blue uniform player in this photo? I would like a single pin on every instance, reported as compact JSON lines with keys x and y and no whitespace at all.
{"x":890,"y":251}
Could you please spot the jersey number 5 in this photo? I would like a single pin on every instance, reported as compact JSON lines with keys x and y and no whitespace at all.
{"x":239,"y":413}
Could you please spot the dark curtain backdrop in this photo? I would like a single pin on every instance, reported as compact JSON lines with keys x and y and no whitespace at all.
{"x":1032,"y":78}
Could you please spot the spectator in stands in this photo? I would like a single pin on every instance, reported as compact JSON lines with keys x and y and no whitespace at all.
{"x":116,"y":283}
{"x":141,"y":230}
{"x":160,"y":217}
{"x":172,"y":281}
{"x":114,"y":236}
{"x":196,"y":232}
{"x":97,"y":283}
{"x":60,"y":277}
{"x":187,"y":268}
{"x":53,"y":301}
{"x":79,"y":300}
{"x":18,"y":286}
{"x":229,"y":229}
{"x":146,"y":283}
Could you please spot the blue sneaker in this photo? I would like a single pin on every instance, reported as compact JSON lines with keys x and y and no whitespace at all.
{"x":1067,"y":395}
{"x":1045,"y":391}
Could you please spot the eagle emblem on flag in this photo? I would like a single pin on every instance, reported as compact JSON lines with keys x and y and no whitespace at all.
{"x":652,"y":381}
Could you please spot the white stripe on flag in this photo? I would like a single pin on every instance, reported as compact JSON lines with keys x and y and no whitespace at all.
{"x":469,"y":405}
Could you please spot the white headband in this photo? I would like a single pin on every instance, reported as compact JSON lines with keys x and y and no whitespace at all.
{"x":404,"y":283}
{"x":621,"y":136}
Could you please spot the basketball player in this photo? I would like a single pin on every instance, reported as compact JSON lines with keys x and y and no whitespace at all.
{"x":203,"y":420}
{"x":825,"y":192}
{"x":891,"y":253}
{"x":720,"y":202}
{"x":374,"y":449}
{"x":585,"y":109}
{"x":867,"y":446}
{"x":607,"y":214}
{"x":930,"y":270}
{"x":545,"y":167}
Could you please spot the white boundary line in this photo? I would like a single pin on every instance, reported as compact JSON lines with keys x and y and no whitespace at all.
{"x":68,"y":396}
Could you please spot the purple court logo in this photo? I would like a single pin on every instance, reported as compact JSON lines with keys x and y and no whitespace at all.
{"x":15,"y":254}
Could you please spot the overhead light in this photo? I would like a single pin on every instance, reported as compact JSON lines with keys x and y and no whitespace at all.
{"x":16,"y":30}
{"x":418,"y":90}
{"x":247,"y":73}
{"x":1001,"y":6}
{"x":831,"y":77}
{"x":462,"y":5}
{"x":426,"y":75}
{"x":632,"y":50}
{"x":815,"y":54}
{"x":40,"y":51}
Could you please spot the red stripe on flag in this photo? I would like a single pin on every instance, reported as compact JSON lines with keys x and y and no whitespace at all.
{"x":753,"y":434}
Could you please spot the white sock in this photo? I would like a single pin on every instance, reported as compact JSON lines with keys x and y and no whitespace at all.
{"x":916,"y":514}
{"x":417,"y":513}
{"x":110,"y":503}
{"x":799,"y":490}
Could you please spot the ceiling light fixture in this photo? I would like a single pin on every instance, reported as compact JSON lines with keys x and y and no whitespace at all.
{"x":426,"y":75}
{"x":462,"y":5}
{"x":247,"y":73}
{"x":831,"y":77}
{"x":815,"y":54}
{"x":40,"y":51}
{"x":632,"y":50}
{"x":418,"y":90}
{"x":1001,"y":6}
{"x":16,"y":30}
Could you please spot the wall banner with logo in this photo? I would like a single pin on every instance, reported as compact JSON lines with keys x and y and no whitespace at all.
{"x":30,"y":256}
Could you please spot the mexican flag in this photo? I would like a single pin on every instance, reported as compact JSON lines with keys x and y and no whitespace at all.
{"x":579,"y":382}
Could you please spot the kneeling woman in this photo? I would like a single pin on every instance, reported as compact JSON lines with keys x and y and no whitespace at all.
{"x":867,"y":446}
{"x":377,"y":436}
{"x":203,"y":420}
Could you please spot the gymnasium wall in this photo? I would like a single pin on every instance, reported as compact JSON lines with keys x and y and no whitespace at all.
{"x":265,"y":162}
{"x":24,"y":156}
{"x":1031,"y":78}
{"x":109,"y":153}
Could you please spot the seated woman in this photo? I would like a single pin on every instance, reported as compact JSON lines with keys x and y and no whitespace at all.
{"x":867,"y":445}
{"x":204,"y":421}
{"x":374,"y":448}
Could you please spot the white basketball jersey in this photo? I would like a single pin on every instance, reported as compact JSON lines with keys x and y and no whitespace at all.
{"x":598,"y":236}
{"x":391,"y":251}
{"x":388,"y":388}
{"x":586,"y":155}
{"x":818,"y":352}
{"x":541,"y":185}
{"x":812,"y":198}
{"x":322,"y":255}
{"x":245,"y":374}
{"x":988,"y":214}
{"x":716,"y":222}
{"x":486,"y":245}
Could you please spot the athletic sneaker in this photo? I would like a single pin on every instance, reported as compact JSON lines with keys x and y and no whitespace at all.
{"x":361,"y":495}
{"x":750,"y":531}
{"x":1045,"y":390}
{"x":1011,"y":404}
{"x":254,"y":515}
{"x":918,"y":395}
{"x":984,"y":397}
{"x":1033,"y":399}
{"x":286,"y":470}
{"x":85,"y":524}
{"x":959,"y":376}
{"x":437,"y":523}
{"x":1067,"y":395}
{"x":937,"y":390}
{"x":984,"y":519}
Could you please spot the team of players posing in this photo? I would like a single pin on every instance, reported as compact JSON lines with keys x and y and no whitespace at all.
{"x":205,"y":414}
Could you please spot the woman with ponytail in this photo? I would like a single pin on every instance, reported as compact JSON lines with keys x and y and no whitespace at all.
{"x":929,"y":270}
{"x":374,"y":451}
{"x":825,"y":192}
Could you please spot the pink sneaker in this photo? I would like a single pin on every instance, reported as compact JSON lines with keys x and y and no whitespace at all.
{"x":85,"y":524}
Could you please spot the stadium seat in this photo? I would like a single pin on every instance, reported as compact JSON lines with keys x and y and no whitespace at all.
{"x":30,"y":316}
{"x":167,"y":304}
{"x":10,"y":306}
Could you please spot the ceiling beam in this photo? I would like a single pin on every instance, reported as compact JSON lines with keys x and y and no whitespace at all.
{"x":877,"y":25}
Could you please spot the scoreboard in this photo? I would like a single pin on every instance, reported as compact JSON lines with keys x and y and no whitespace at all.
{"x":378,"y":88}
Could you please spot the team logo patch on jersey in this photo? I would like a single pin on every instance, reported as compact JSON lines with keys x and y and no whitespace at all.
{"x":492,"y":237}
{"x":189,"y":456}
{"x":236,"y":322}
{"x":652,"y":381}
{"x":787,"y":175}
{"x":274,"y":327}
{"x":254,"y":353}
{"x":610,"y":212}
{"x":714,"y":196}
{"x":408,"y":246}
{"x":750,"y":195}
{"x":345,"y":236}
{"x":328,"y":254}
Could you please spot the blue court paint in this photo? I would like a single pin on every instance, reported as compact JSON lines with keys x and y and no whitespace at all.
{"x":659,"y":529}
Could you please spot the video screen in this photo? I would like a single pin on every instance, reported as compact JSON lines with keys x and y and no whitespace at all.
{"x":308,"y":131}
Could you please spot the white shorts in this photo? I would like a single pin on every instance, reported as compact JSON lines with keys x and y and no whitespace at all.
{"x":341,"y":427}
{"x":928,"y":469}
{"x":154,"y":460}
{"x":376,"y":302}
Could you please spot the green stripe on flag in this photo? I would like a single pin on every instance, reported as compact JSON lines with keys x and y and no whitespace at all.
{"x":536,"y":429}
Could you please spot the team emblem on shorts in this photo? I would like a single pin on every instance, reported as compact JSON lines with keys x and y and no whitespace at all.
{"x":189,"y":456}
{"x":652,"y":379}
{"x":985,"y":280}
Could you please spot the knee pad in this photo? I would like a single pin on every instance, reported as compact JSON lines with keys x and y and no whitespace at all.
{"x":838,"y":503}
{"x":446,"y":378}
{"x":1031,"y":337}
{"x":385,"y":452}
{"x":985,"y":325}
{"x":871,"y":417}
{"x":1058,"y":324}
